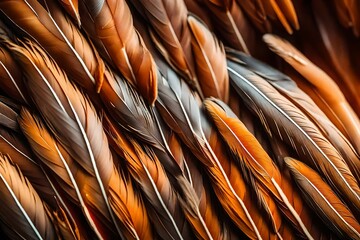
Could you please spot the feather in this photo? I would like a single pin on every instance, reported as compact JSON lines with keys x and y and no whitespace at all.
{"x":131,"y":112}
{"x":171,"y":34}
{"x":128,"y":206}
{"x":253,"y":159}
{"x":324,"y":201}
{"x":74,"y":123}
{"x":338,"y":50}
{"x":322,"y":83}
{"x":165,"y":211}
{"x":225,"y":13}
{"x":296,"y":129}
{"x":179,"y":107}
{"x":8,"y":116}
{"x":63,"y":225}
{"x":23,"y":214}
{"x":289,"y":12}
{"x":13,"y":144}
{"x":348,"y":15}
{"x":227,"y":180}
{"x":72,"y":8}
{"x":11,"y":77}
{"x":54,"y":157}
{"x":210,"y":61}
{"x":280,"y":15}
{"x":61,"y":39}
{"x":207,"y":204}
{"x":255,"y":10}
{"x":114,"y":27}
{"x":288,"y":88}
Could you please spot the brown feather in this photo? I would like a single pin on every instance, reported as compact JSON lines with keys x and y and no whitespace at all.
{"x":210,"y":61}
{"x":253,"y":159}
{"x":8,"y":116}
{"x":324,"y":201}
{"x":324,"y":85}
{"x":58,"y":161}
{"x":225,"y":13}
{"x":296,"y":129}
{"x":256,"y":12}
{"x":13,"y":144}
{"x":165,"y":212}
{"x":114,"y":27}
{"x":128,"y":206}
{"x":72,"y":8}
{"x":23,"y":214}
{"x":288,"y":9}
{"x":74,"y":123}
{"x":62,"y":41}
{"x":171,"y":34}
{"x":227,"y":180}
{"x":288,"y":88}
{"x":11,"y":77}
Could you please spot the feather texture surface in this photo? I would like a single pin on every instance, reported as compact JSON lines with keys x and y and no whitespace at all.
{"x":75,"y":124}
{"x":210,"y":61}
{"x":288,"y":88}
{"x":324,"y":201}
{"x":61,"y":39}
{"x":21,"y":206}
{"x":171,"y":34}
{"x":274,"y":110}
{"x":324,"y":86}
{"x":113,"y":26}
{"x":11,"y":77}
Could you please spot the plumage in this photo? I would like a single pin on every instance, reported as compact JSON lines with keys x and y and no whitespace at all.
{"x":142,"y":120}
{"x":131,"y":112}
{"x":297,"y":130}
{"x":230,"y":182}
{"x":63,"y":41}
{"x":8,"y":116}
{"x":171,"y":34}
{"x":225,"y":14}
{"x":23,"y":214}
{"x":11,"y":77}
{"x":288,"y":88}
{"x":72,"y":8}
{"x":113,"y":26}
{"x":324,"y":85}
{"x":14,"y":145}
{"x":75,"y":124}
{"x":324,"y":201}
{"x":210,"y":61}
{"x":57,"y":160}
{"x":164,"y":212}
